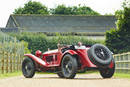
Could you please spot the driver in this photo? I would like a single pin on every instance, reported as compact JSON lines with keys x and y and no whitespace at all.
{"x":80,"y":46}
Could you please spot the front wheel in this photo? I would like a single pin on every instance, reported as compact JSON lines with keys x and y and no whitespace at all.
{"x":28,"y":68}
{"x":108,"y":72}
{"x":60,"y":74}
{"x":69,"y":66}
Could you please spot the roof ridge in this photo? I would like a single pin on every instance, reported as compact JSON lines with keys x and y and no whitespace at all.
{"x":62,"y":15}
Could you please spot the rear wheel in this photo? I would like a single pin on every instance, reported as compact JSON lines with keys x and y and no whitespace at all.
{"x":69,"y":66}
{"x":107,"y":72}
{"x":28,"y":68}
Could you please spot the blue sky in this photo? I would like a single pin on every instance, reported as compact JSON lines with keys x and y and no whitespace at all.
{"x":102,"y":6}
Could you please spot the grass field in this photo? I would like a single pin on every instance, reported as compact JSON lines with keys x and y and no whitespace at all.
{"x":122,"y":75}
{"x":10,"y":75}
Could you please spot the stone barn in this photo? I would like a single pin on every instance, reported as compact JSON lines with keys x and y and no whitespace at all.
{"x":58,"y":23}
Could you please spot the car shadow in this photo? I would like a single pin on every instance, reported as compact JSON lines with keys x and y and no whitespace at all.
{"x":72,"y":79}
{"x":92,"y":78}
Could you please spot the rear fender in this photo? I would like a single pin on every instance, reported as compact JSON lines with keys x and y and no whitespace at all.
{"x":36,"y":59}
{"x":112,"y":64}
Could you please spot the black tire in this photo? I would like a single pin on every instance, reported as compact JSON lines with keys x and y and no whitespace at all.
{"x":100,"y":55}
{"x":69,"y":66}
{"x":28,"y":68}
{"x":107,"y":72}
{"x":60,"y":74}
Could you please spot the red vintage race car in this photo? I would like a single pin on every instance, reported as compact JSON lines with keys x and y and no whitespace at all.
{"x":68,"y":60}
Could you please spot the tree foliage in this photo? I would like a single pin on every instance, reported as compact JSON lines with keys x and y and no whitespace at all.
{"x":74,"y":10}
{"x":37,"y":8}
{"x":118,"y":40}
{"x":32,"y":8}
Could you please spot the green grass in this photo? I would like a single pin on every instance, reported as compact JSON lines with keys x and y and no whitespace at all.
{"x":122,"y":75}
{"x":44,"y":73}
{"x":89,"y":72}
{"x":10,"y":74}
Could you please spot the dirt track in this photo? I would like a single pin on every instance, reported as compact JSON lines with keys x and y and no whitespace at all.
{"x":51,"y":80}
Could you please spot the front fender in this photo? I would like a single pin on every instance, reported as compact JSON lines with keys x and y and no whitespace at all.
{"x":36,"y":59}
{"x":72,"y":52}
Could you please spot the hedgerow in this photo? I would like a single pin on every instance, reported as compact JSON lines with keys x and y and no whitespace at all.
{"x":39,"y":41}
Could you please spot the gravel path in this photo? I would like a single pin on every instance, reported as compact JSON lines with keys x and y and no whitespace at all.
{"x":52,"y":80}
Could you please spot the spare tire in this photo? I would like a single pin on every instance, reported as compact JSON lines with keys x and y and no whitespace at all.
{"x":100,"y":55}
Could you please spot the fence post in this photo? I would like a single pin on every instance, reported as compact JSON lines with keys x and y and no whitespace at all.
{"x":21,"y":59}
{"x":2,"y":66}
{"x":11,"y":62}
{"x":129,"y":61}
{"x":14,"y":62}
{"x":7,"y":62}
{"x":17,"y":61}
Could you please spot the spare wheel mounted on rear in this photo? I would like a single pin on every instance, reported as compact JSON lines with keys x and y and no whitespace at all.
{"x":100,"y":55}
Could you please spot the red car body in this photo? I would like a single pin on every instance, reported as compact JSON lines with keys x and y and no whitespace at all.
{"x":52,"y":61}
{"x":57,"y":55}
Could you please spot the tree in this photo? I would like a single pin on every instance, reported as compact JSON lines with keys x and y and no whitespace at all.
{"x":37,"y":8}
{"x":61,"y":9}
{"x":32,"y":8}
{"x":109,"y":14}
{"x":118,"y":40}
{"x":74,"y":10}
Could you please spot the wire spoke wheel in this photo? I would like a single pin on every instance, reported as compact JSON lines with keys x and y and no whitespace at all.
{"x":28,"y":68}
{"x":69,"y":66}
{"x":107,"y":72}
{"x":101,"y":53}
